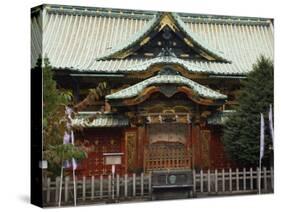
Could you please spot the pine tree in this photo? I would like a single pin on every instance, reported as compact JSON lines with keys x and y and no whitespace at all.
{"x":242,"y":130}
{"x":54,"y":122}
{"x":54,"y":102}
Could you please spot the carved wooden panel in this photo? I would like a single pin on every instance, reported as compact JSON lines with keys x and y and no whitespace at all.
{"x":205,"y":139}
{"x":131,"y":145}
{"x":167,"y":132}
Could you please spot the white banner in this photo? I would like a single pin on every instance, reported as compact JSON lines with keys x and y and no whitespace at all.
{"x":271,"y":122}
{"x":262,"y":137}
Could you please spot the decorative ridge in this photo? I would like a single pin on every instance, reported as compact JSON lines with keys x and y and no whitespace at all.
{"x":188,"y":17}
{"x":84,"y":10}
{"x":226,"y":20}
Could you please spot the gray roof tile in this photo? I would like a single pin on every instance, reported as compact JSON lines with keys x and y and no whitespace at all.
{"x":220,"y":118}
{"x":134,"y":90}
{"x":100,"y":120}
{"x":75,"y":40}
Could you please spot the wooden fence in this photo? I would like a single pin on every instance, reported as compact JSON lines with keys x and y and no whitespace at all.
{"x":98,"y":189}
{"x":133,"y":187}
{"x":232,"y":181}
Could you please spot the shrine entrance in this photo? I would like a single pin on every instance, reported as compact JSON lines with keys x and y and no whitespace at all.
{"x":168,"y":147}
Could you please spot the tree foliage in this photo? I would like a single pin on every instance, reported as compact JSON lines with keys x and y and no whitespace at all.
{"x":63,"y":152}
{"x":54,"y":102}
{"x":242,"y":130}
{"x":54,"y":121}
{"x":94,"y":95}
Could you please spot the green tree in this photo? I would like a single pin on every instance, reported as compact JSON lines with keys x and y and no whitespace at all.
{"x":242,"y":130}
{"x":54,"y":102}
{"x":54,"y":121}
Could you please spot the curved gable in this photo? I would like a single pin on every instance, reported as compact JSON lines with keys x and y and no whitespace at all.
{"x":158,"y":24}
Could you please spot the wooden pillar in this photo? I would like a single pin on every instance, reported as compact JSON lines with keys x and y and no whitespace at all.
{"x":107,"y":107}
{"x":123,"y":149}
{"x":196,"y":157}
{"x":213,"y":164}
{"x":131,"y":146}
{"x":189,"y":146}
{"x":140,"y":148}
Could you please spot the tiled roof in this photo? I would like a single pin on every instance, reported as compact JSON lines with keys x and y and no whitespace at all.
{"x":134,"y":90}
{"x":219,"y":118}
{"x":74,"y":39}
{"x":187,"y":64}
{"x":132,"y":39}
{"x":104,"y":120}
{"x":198,"y":40}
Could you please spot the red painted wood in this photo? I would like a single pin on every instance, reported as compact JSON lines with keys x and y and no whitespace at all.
{"x":141,"y":141}
{"x":100,"y":141}
{"x":189,"y":145}
{"x":196,"y":147}
{"x":219,"y":157}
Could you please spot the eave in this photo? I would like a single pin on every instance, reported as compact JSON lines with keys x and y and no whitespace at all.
{"x":142,"y":90}
{"x":85,"y":120}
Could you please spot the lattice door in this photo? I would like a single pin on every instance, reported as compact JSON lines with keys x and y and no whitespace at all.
{"x":166,"y":155}
{"x":167,"y":148}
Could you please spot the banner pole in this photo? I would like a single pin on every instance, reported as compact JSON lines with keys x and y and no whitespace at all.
{"x":259,"y":177}
{"x":261,"y":151}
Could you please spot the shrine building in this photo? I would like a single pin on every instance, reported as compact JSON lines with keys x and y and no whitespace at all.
{"x":168,"y":81}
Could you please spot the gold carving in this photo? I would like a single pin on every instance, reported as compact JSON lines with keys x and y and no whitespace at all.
{"x":144,"y":41}
{"x":124,"y":54}
{"x":131,"y":145}
{"x":182,"y":109}
{"x":167,"y":21}
{"x":184,"y":55}
{"x":148,"y":54}
{"x":188,"y":42}
{"x":112,"y":141}
{"x":169,"y":111}
{"x":205,"y":55}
